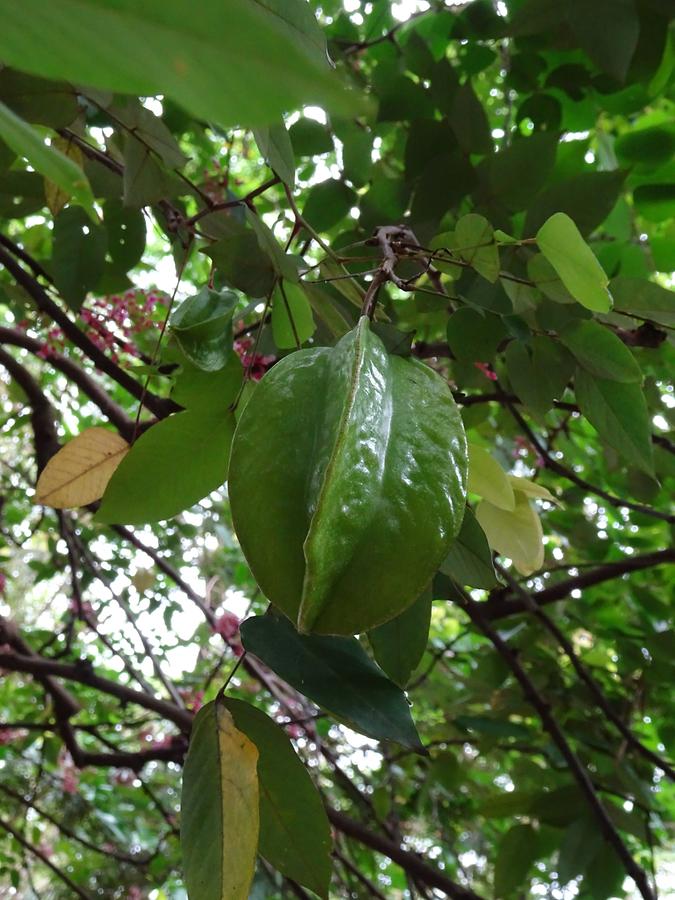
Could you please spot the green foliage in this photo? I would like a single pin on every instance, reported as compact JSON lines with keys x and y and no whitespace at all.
{"x":371,"y":228}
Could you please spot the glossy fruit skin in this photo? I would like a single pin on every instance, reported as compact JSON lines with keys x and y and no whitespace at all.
{"x":347,"y":483}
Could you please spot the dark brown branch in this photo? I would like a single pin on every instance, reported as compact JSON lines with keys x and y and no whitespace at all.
{"x":579,"y":773}
{"x":78,"y":376}
{"x":586,"y":678}
{"x":408,"y":861}
{"x":499,"y":606}
{"x":157,"y":405}
{"x":572,"y":476}
{"x":42,"y":416}
{"x":82,"y":673}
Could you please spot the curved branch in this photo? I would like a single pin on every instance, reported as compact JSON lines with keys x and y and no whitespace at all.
{"x":83,"y":673}
{"x":157,"y":405}
{"x":78,"y":376}
{"x":499,"y":606}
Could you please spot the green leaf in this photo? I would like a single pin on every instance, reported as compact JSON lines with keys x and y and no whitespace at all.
{"x":275,"y":145}
{"x":644,"y":298}
{"x":600,"y":351}
{"x":126,"y":234}
{"x":337,"y":674}
{"x":292,"y":319}
{"x":488,"y":479}
{"x":275,"y":53}
{"x":581,"y":273}
{"x":283,"y":264}
{"x":41,"y":102}
{"x":78,"y":255}
{"x":580,"y":844}
{"x":469,"y":121}
{"x":150,"y":131}
{"x":169,"y":468}
{"x":240,"y":259}
{"x":469,"y":561}
{"x":474,"y":336}
{"x":619,"y":413}
{"x":605,"y":874}
{"x":294,"y":830}
{"x":145,"y":182}
{"x":587,"y":198}
{"x":310,"y":138}
{"x":516,"y":534}
{"x":609,"y":35}
{"x":518,"y":849}
{"x":196,"y":389}
{"x":202,"y":326}
{"x":474,"y":241}
{"x":25,"y":141}
{"x":518,"y":171}
{"x":545,"y":277}
{"x":399,"y":645}
{"x":656,"y":202}
{"x":540,"y":378}
{"x":327,"y":204}
{"x":651,"y":147}
{"x":219,"y":808}
{"x":361,"y":496}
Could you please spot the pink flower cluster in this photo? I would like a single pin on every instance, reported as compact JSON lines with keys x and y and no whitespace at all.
{"x":194,"y":700}
{"x":10,"y":735}
{"x":522,"y":447}
{"x":69,"y":775}
{"x":227,"y":626}
{"x":110,"y":323}
{"x":255,"y":364}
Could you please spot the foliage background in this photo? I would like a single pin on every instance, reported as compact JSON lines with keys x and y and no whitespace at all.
{"x":514,"y":111}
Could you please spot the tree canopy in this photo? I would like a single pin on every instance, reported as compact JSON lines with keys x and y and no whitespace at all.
{"x":337,"y":460}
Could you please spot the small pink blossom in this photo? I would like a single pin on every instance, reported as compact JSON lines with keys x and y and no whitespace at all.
{"x":226,"y":625}
{"x":487,"y":370}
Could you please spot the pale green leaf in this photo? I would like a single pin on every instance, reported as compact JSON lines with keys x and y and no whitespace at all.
{"x":488,"y":479}
{"x":581,"y":273}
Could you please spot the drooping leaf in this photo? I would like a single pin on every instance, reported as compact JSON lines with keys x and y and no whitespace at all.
{"x":240,"y":260}
{"x":78,"y":255}
{"x":275,"y":53}
{"x":514,"y":533}
{"x":586,"y":197}
{"x":619,"y":413}
{"x":292,"y":319}
{"x":469,"y":121}
{"x":600,"y":352}
{"x":581,"y":273}
{"x":362,"y":496}
{"x":531,"y":488}
{"x":79,"y":472}
{"x":58,"y":168}
{"x":294,"y":830}
{"x":580,"y":844}
{"x":398,"y":645}
{"x":469,"y":561}
{"x":540,"y":378}
{"x":196,"y":389}
{"x":517,"y":172}
{"x":126,"y":234}
{"x":170,"y":467}
{"x":488,"y":479}
{"x":609,"y":35}
{"x":202,"y":326}
{"x":474,"y":336}
{"x":474,"y":241}
{"x":310,"y":138}
{"x":518,"y":849}
{"x":219,"y":808}
{"x":145,"y":181}
{"x":337,"y":674}
{"x":275,"y":145}
{"x":328,"y":204}
{"x":644,"y":298}
{"x":56,"y":196}
{"x":41,"y":102}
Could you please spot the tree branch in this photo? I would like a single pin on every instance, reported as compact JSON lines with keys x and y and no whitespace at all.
{"x":157,"y":405}
{"x":579,"y":773}
{"x":408,"y":861}
{"x":499,"y":606}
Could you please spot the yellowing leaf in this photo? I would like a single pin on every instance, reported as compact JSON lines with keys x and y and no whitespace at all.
{"x":79,"y":473}
{"x":532,"y":489}
{"x":488,"y":479}
{"x":516,"y":534}
{"x":220,"y":818}
{"x":56,"y":196}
